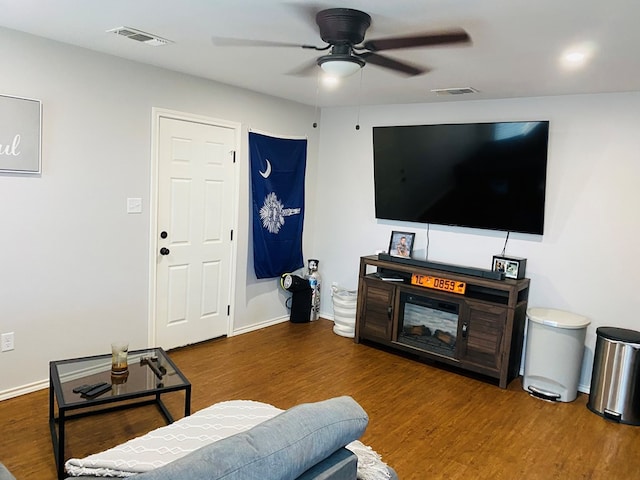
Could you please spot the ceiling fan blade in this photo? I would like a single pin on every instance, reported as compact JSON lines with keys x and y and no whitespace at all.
{"x":243,"y":42}
{"x":448,"y":37}
{"x":305,"y":70}
{"x":306,"y":12}
{"x":391,"y":64}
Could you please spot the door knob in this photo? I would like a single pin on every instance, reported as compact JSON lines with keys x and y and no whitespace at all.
{"x":165,"y":251}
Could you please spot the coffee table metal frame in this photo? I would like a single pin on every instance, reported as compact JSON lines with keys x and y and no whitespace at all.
{"x":110,"y":402}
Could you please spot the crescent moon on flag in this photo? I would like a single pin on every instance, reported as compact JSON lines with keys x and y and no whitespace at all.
{"x":267,"y":172}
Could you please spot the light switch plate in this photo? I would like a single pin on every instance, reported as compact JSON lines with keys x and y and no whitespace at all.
{"x":134,"y":205}
{"x":7,"y":342}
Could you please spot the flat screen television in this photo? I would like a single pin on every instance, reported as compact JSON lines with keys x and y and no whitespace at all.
{"x":479,"y":175}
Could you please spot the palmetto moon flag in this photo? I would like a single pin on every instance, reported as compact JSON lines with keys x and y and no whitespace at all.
{"x":277,"y":186}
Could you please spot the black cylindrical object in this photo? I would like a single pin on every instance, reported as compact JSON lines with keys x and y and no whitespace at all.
{"x":615,"y":379}
{"x":300,"y":298}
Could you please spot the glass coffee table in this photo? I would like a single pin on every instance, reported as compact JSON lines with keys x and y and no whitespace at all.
{"x":151,"y":373}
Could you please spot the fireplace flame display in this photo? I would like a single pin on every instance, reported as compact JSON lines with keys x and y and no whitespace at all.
{"x":429,"y":324}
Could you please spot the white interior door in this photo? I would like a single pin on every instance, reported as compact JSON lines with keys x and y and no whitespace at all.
{"x":195,"y":217}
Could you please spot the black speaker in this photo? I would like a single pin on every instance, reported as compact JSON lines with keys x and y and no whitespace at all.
{"x":300,"y":297}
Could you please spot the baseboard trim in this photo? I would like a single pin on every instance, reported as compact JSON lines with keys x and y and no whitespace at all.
{"x":584,"y":388}
{"x":259,"y":326}
{"x":269,"y":323}
{"x":24,"y":389}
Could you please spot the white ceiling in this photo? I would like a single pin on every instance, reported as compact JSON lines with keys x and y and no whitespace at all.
{"x":516,"y":50}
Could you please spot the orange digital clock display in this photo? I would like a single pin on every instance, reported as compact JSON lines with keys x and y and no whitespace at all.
{"x":438,"y":283}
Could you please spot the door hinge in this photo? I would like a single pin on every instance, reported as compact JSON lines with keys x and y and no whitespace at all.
{"x":228,"y":310}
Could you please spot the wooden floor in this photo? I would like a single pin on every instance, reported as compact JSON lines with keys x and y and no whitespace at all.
{"x":426,"y":422}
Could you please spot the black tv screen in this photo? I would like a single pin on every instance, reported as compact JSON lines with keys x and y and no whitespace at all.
{"x":480,"y":175}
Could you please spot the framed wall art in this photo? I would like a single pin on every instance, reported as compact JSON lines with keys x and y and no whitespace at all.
{"x":20,"y":135}
{"x":401,"y":244}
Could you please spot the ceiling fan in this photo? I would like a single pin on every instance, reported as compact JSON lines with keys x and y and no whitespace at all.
{"x":343,"y":31}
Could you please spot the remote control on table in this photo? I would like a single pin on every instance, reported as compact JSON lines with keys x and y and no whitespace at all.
{"x":83,"y":388}
{"x":97,"y":390}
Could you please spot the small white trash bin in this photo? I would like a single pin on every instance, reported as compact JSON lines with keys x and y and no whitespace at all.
{"x":554,"y":351}
{"x":344,"y":311}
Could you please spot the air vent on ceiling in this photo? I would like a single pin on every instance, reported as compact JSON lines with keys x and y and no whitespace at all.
{"x":140,"y":36}
{"x":454,"y":91}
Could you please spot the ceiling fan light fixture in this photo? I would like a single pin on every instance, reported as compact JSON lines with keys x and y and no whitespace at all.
{"x":329,"y":81}
{"x":340,"y":66}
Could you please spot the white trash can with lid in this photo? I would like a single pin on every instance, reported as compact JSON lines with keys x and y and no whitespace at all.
{"x":554,"y":351}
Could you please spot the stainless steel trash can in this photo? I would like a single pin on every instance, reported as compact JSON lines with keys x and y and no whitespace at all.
{"x":553,"y":358}
{"x":615,"y":379}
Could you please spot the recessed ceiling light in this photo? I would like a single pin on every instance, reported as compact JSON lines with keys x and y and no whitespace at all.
{"x":577,"y":55}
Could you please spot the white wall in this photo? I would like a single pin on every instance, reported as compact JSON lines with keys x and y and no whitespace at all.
{"x":586,"y":262}
{"x":73,"y":265}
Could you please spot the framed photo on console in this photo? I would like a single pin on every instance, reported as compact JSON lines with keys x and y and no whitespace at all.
{"x":513,"y":267}
{"x":401,"y":244}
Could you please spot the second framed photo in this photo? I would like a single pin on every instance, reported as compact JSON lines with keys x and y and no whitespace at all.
{"x":401,"y":244}
{"x":513,"y":267}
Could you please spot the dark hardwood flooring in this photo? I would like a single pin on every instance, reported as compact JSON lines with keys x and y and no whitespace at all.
{"x":426,"y":422}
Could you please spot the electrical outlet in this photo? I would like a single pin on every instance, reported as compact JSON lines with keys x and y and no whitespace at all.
{"x":7,"y":341}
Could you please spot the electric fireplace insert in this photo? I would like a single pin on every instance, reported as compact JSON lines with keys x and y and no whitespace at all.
{"x":428,"y":323}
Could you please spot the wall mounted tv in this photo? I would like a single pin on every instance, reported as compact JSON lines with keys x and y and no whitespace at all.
{"x":480,"y":175}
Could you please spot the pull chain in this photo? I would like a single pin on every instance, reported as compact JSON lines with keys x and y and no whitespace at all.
{"x":359,"y":101}
{"x":315,"y":114}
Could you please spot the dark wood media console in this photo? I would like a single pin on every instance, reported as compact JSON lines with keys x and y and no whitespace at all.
{"x":488,"y":320}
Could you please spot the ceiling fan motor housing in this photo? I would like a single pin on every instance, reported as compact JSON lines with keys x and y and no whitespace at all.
{"x":342,"y":25}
